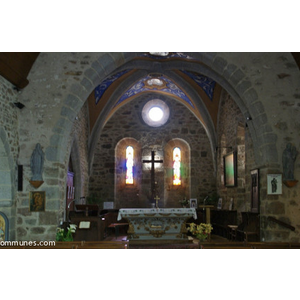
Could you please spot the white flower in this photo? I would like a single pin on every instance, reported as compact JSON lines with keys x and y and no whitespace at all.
{"x":72,"y":228}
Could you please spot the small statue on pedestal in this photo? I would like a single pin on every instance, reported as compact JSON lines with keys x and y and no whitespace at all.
{"x":36,"y":165}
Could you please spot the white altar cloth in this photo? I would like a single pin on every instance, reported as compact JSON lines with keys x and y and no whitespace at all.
{"x":153,"y":223}
{"x":147,"y":212}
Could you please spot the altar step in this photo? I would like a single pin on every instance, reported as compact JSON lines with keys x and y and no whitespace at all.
{"x":164,"y":244}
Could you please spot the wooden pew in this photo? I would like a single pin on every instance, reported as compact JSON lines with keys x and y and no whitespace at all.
{"x":220,"y":220}
{"x":248,"y":230}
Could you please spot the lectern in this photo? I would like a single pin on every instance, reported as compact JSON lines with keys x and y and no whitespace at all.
{"x":207,"y":209}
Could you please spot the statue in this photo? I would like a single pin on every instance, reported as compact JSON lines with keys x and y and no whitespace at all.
{"x":288,"y":159}
{"x":37,"y":163}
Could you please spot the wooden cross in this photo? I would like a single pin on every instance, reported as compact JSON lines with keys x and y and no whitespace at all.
{"x":152,"y":161}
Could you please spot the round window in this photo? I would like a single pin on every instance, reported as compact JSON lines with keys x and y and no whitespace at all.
{"x":155,"y":113}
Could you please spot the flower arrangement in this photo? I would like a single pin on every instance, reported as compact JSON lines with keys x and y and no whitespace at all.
{"x":63,"y":235}
{"x":201,"y":231}
{"x":184,"y":202}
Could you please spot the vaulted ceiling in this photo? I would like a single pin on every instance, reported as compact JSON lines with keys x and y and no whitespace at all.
{"x":15,"y":67}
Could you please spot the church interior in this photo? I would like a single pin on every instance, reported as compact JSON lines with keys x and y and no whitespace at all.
{"x":85,"y":135}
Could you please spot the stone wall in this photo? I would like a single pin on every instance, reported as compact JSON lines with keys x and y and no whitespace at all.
{"x":42,"y":225}
{"x":9,"y":147}
{"x":233,"y":132}
{"x":127,"y":122}
{"x":284,"y":207}
{"x":79,"y":152}
{"x":9,"y":115}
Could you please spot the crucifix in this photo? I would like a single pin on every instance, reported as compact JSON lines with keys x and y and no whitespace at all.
{"x":153,"y":161}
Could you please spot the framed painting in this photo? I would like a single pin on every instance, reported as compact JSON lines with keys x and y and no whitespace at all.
{"x":37,"y":201}
{"x":3,"y":227}
{"x":274,"y":182}
{"x":193,"y":203}
{"x":230,"y":169}
{"x":255,"y":190}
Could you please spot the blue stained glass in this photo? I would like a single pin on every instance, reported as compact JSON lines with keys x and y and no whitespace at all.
{"x":129,"y":165}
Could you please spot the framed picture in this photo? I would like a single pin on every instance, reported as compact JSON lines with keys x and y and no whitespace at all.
{"x":37,"y":201}
{"x":274,"y":182}
{"x":3,"y":227}
{"x":230,"y":169}
{"x":193,"y":203}
{"x":255,"y":190}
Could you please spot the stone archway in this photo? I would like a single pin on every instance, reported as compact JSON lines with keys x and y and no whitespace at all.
{"x":7,"y":196}
{"x":6,"y":172}
{"x":228,"y":74}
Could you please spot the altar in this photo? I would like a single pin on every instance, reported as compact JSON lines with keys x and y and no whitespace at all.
{"x":157,"y":223}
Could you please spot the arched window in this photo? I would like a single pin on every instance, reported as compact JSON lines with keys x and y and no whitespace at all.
{"x":176,"y":166}
{"x":129,"y":165}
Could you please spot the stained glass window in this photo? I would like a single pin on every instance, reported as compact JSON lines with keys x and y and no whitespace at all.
{"x":176,"y":166}
{"x":129,"y":165}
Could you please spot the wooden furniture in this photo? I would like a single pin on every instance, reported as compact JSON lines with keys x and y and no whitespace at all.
{"x":116,"y":226}
{"x":249,"y":229}
{"x":207,"y":209}
{"x":232,"y":232}
{"x":95,"y":231}
{"x":101,"y":222}
{"x":220,"y":219}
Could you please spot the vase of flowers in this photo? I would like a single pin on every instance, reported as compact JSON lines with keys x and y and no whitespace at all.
{"x":201,"y":231}
{"x":65,"y":235}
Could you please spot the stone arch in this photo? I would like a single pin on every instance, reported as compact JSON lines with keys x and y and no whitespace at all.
{"x":235,"y":82}
{"x":214,"y":65}
{"x":6,"y":172}
{"x":7,"y":188}
{"x":228,"y":75}
{"x":241,"y":168}
{"x":76,"y":161}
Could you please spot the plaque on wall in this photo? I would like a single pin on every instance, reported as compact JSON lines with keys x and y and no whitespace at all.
{"x":274,"y":184}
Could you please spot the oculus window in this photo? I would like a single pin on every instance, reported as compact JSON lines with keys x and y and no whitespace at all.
{"x":155,"y":113}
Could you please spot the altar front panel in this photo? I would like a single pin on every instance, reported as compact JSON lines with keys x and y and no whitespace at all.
{"x":163,"y":223}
